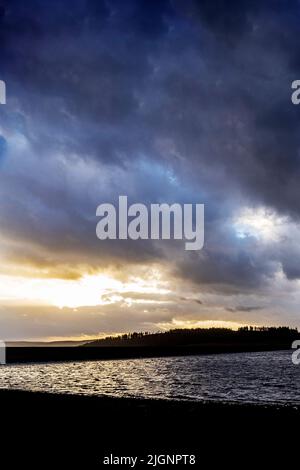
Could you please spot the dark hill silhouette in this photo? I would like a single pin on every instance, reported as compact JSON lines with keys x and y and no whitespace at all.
{"x":171,"y":343}
{"x":197,"y":336}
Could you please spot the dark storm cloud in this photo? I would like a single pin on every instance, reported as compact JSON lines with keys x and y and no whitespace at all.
{"x":272,"y":170}
{"x":244,"y":308}
{"x":2,"y":148}
{"x":158,"y":100}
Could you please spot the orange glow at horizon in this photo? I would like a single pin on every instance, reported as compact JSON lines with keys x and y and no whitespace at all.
{"x":88,"y":291}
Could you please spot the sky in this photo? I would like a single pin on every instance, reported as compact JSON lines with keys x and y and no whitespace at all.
{"x":164,"y":101}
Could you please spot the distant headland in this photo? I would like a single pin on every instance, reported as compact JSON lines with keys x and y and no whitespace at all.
{"x":177,"y":342}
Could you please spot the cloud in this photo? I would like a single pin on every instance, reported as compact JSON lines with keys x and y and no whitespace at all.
{"x":164,"y":103}
{"x":3,"y":146}
{"x":242,"y":308}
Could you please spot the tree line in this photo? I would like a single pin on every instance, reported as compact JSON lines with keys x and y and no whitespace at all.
{"x":200,"y":336}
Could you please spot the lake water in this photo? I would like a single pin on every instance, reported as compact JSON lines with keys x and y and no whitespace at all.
{"x":263,"y":377}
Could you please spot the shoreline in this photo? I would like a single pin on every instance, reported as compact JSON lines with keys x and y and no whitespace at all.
{"x":68,"y":428}
{"x":166,"y":404}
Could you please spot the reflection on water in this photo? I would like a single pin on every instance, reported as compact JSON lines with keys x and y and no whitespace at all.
{"x":264,"y":377}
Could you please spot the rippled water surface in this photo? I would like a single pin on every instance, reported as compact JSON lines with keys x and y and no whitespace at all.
{"x":264,"y":377}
